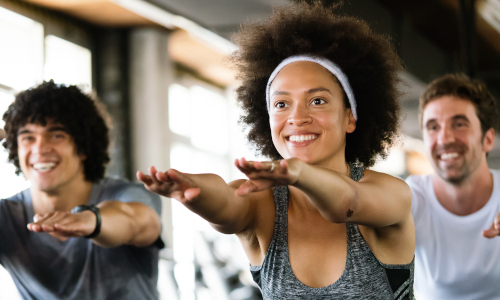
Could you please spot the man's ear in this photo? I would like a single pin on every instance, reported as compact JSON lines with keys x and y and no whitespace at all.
{"x":489,"y":140}
{"x":351,"y":122}
{"x":2,"y":134}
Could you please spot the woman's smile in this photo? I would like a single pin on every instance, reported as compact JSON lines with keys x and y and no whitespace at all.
{"x":308,"y":117}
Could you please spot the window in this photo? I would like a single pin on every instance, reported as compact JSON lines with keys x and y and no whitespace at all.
{"x":67,"y":63}
{"x":27,"y":58}
{"x":205,"y":139}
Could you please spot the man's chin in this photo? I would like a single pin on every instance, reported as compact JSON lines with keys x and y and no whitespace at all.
{"x":454,"y":179}
{"x":45,"y":188}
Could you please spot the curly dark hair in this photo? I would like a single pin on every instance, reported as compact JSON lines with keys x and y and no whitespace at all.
{"x":460,"y":85}
{"x":81,"y":116}
{"x":368,"y":60}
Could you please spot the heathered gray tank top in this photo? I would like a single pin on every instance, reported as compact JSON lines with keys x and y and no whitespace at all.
{"x":364,"y":276}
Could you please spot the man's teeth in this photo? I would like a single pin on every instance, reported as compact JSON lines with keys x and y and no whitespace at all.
{"x":447,"y":156}
{"x":301,"y":138}
{"x":43,"y":167}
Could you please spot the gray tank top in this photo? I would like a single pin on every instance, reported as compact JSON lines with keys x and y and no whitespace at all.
{"x":364,"y":276}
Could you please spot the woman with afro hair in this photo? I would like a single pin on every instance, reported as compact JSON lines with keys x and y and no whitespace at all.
{"x":320,"y":99}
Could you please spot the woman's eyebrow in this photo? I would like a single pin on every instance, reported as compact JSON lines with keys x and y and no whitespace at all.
{"x":319,"y":89}
{"x":280,"y":93}
{"x":311,"y":91}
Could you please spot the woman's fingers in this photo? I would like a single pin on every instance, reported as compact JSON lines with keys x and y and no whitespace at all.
{"x":152,"y":174}
{"x":144,"y":178}
{"x":258,"y":166}
{"x":244,"y":166}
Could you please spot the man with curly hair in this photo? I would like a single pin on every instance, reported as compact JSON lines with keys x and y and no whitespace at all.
{"x":319,"y":96}
{"x":456,"y":209}
{"x":73,"y":234}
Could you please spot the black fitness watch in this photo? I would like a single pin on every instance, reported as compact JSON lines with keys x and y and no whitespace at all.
{"x":97,"y":213}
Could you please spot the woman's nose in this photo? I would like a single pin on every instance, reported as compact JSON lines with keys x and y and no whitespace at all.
{"x":300,"y":116}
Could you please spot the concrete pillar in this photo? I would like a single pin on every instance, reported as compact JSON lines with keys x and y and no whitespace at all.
{"x":151,"y":73}
{"x":111,"y":65}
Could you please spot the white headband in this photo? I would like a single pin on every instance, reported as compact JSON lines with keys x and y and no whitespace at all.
{"x":325,"y":63}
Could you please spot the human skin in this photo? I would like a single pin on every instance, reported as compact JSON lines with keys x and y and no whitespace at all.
{"x":457,"y":147}
{"x":49,"y":160}
{"x":308,"y":122}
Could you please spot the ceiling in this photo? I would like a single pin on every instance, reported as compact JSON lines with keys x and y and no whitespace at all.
{"x":221,"y":16}
{"x":429,"y":35}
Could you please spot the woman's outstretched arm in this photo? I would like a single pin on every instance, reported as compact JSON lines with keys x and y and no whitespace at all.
{"x":377,"y":200}
{"x":207,"y":195}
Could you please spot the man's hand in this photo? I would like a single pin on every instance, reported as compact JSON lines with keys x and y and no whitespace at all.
{"x":172,"y":184}
{"x":494,"y":229}
{"x":63,"y":225}
{"x":265,"y":175}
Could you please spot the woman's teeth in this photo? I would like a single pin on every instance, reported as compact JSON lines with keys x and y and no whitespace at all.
{"x":43,"y":167}
{"x":301,"y":138}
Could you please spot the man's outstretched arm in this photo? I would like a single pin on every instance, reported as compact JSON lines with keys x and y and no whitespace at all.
{"x":122,"y":223}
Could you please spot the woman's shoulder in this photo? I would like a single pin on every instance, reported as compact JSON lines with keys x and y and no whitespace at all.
{"x":397,"y":186}
{"x":375,"y":176}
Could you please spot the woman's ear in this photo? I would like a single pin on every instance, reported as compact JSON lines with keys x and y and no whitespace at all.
{"x":351,"y":122}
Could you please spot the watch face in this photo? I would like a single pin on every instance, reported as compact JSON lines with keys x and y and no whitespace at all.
{"x":81,"y":208}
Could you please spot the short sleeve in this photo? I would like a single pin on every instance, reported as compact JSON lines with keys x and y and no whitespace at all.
{"x":137,"y":193}
{"x":132,"y":192}
{"x":417,"y":195}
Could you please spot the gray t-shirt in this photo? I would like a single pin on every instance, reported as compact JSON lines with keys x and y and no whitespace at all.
{"x":43,"y":267}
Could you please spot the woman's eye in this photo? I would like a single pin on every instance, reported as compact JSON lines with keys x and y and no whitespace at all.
{"x":318,"y":101}
{"x":280,"y":105}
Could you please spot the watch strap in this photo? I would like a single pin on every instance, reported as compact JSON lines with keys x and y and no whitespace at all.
{"x":93,"y":208}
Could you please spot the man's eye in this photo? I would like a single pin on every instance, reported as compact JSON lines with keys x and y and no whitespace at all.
{"x":58,"y":135}
{"x":27,"y":138}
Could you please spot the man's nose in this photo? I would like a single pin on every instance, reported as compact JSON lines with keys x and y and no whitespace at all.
{"x":41,"y":145}
{"x":446,"y":135}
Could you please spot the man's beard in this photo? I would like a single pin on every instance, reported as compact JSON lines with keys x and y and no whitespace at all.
{"x":455,"y":180}
{"x":464,"y":171}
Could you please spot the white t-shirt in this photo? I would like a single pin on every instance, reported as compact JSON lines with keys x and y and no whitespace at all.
{"x":452,"y":258}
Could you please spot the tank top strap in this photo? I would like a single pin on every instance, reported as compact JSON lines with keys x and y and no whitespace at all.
{"x":281,"y":196}
{"x":357,"y":171}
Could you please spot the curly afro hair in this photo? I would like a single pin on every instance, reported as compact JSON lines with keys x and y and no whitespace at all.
{"x":82,"y":117}
{"x":368,"y":60}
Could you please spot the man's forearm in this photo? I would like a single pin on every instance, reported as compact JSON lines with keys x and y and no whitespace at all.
{"x":130,"y":223}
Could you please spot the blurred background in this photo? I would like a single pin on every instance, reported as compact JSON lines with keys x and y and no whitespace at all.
{"x":158,"y":65}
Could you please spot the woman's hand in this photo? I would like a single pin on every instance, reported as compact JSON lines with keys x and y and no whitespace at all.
{"x":172,"y":184}
{"x":264,"y":175}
